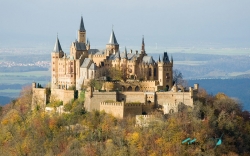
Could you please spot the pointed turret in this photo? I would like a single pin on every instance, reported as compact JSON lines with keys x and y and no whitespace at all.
{"x":57,"y":47}
{"x":126,"y":54}
{"x":165,"y":58}
{"x":159,"y":58}
{"x":82,"y":29}
{"x":112,"y":39}
{"x":112,"y":44}
{"x":172,"y":60}
{"x":82,"y":32}
{"x":119,"y":55}
{"x":143,"y":46}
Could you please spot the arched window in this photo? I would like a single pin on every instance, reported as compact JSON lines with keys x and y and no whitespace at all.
{"x":171,"y":111}
{"x":137,"y":88}
{"x":129,"y":88}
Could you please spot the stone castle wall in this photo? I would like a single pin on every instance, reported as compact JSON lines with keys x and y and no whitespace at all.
{"x":62,"y":95}
{"x":39,"y":97}
{"x":114,"y":108}
{"x":93,"y":101}
{"x":131,"y":109}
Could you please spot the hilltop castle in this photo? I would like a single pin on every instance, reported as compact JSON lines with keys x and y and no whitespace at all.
{"x":135,"y":93}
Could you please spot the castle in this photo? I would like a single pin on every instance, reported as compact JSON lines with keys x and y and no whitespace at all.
{"x":135,"y":92}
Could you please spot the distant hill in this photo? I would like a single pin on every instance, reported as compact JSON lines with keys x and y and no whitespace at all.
{"x":235,"y":88}
{"x":4,"y":100}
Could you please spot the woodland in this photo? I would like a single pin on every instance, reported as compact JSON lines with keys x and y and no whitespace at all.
{"x":27,"y":132}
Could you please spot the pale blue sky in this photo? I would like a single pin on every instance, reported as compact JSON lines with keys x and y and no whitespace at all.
{"x":165,"y":22}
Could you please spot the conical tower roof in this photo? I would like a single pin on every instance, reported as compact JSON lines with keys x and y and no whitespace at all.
{"x":112,"y":39}
{"x":82,"y":26}
{"x":57,"y":47}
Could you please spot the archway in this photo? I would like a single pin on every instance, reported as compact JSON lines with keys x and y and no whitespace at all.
{"x":129,"y":88}
{"x":137,"y":88}
{"x":171,"y":111}
{"x":123,"y":89}
{"x":167,"y":87}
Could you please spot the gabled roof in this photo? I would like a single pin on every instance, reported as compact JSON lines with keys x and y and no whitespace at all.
{"x":57,"y":47}
{"x":86,"y":63}
{"x":79,"y":45}
{"x":92,"y":66}
{"x":82,"y":26}
{"x":148,"y":59}
{"x":112,"y":39}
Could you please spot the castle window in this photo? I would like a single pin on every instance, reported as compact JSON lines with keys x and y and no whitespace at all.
{"x":149,"y":72}
{"x":154,"y":71}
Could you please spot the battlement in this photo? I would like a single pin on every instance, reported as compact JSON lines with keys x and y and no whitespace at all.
{"x":99,"y":55}
{"x":112,"y":103}
{"x":132,"y":104}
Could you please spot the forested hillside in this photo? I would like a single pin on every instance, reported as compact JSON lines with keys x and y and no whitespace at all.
{"x":26,"y":132}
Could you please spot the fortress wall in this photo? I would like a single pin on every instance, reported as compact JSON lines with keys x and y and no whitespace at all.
{"x":38,"y":97}
{"x":94,"y":102}
{"x":131,"y":97}
{"x":132,"y":109}
{"x":147,"y":108}
{"x":62,"y":95}
{"x":115,"y":108}
{"x":174,"y":97}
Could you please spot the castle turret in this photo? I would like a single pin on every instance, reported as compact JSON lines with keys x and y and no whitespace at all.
{"x":165,"y":72}
{"x":113,"y":44}
{"x":82,"y":32}
{"x":55,"y":55}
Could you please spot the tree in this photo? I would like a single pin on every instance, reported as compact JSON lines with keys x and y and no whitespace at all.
{"x":178,"y":78}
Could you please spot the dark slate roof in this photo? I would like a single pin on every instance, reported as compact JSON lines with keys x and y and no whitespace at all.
{"x":92,"y":66}
{"x":96,"y":51}
{"x":148,"y":59}
{"x":159,"y":59}
{"x":165,"y":58}
{"x":130,"y":56}
{"x":112,"y":39}
{"x":82,"y":25}
{"x":85,"y":63}
{"x":57,"y":47}
{"x":79,"y":45}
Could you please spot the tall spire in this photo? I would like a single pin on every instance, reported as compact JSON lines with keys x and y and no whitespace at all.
{"x":126,"y":54}
{"x":159,"y":58}
{"x":82,"y":25}
{"x":57,"y":47}
{"x":119,"y":56}
{"x":112,"y":39}
{"x":143,"y":44}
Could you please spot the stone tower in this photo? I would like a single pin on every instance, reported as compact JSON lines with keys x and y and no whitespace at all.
{"x":82,"y":33}
{"x":165,"y":72}
{"x":55,"y":55}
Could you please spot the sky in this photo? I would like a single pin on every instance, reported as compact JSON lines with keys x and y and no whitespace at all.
{"x":163,"y":23}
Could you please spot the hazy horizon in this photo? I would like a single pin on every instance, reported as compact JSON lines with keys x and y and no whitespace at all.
{"x":164,"y":23}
